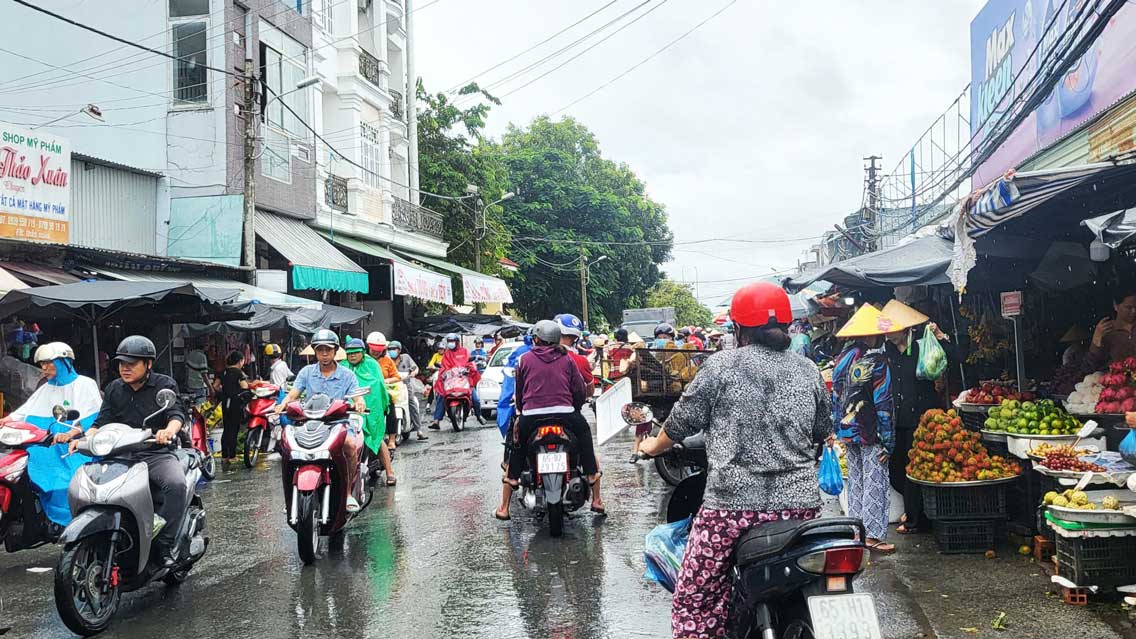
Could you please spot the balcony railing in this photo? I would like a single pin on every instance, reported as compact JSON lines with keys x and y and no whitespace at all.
{"x":335,"y":192}
{"x":396,"y":106}
{"x":411,"y":217}
{"x":370,"y":68}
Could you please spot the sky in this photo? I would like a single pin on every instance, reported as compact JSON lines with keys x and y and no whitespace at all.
{"x":754,"y":126}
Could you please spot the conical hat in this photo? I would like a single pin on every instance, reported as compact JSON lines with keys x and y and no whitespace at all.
{"x":1074,"y":334}
{"x":903,"y":315}
{"x":867,"y":321}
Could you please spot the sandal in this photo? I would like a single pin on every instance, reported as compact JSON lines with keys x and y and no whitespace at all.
{"x":880,"y":547}
{"x":600,"y":510}
{"x":904,"y":530}
{"x":497,"y":515}
{"x":392,"y":481}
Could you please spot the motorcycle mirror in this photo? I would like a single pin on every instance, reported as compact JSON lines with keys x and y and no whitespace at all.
{"x":166,"y":398}
{"x":637,"y":413}
{"x":58,"y":412}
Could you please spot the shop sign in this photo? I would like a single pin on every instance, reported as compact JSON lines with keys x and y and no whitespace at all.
{"x":485,"y":290}
{"x":423,"y":284}
{"x":35,"y":185}
{"x":1011,"y":304}
{"x":1002,"y":38}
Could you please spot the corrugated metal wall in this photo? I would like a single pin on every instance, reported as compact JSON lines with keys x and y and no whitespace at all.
{"x":112,"y":208}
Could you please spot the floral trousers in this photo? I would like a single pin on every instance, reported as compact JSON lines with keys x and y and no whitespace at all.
{"x":869,"y":489}
{"x":701,"y":604}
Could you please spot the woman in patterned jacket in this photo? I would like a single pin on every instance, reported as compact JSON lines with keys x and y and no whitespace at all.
{"x":762,"y":409}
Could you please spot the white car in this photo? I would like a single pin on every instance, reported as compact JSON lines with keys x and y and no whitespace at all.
{"x":489,"y":388}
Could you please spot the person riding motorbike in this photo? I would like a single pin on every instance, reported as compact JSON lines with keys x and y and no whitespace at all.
{"x":278,"y":371}
{"x":327,"y":377}
{"x":571,"y":329}
{"x":129,"y":400}
{"x":478,"y":354}
{"x":664,"y":336}
{"x":377,"y":345}
{"x":762,"y":410}
{"x":548,"y":382}
{"x":408,"y":372}
{"x":455,"y":357}
{"x":369,"y":374}
{"x":49,"y":469}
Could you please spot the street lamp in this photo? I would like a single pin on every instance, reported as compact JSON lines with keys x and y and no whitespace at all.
{"x":585,"y":270}
{"x":90,"y":110}
{"x":300,"y":86}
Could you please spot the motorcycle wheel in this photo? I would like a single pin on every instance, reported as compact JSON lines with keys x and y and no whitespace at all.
{"x":252,"y":446}
{"x":308,"y":529}
{"x":556,"y":519}
{"x":208,"y":465}
{"x":452,"y":413}
{"x":798,"y":629}
{"x":84,"y":609}
{"x":672,"y":470}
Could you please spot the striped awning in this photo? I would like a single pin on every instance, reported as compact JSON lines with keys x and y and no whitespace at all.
{"x":316,"y":264}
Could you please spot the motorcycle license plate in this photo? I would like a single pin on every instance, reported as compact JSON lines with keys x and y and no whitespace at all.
{"x":845,"y":617}
{"x":551,"y":463}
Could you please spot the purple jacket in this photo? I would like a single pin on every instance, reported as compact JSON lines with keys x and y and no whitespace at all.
{"x":548,"y":378}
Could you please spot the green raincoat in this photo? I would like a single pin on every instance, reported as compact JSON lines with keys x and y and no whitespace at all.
{"x":370,"y":375}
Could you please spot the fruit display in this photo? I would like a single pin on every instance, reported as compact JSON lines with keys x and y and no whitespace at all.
{"x":1042,"y":417}
{"x":1086,"y":393}
{"x":1118,"y":394}
{"x":1079,"y":500}
{"x":1066,"y":378}
{"x":944,"y":451}
{"x":1067,"y":462}
{"x":992,"y":394}
{"x":1045,"y":449}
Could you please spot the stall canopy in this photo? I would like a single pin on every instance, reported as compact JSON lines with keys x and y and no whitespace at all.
{"x":476,"y":287}
{"x":39,"y":274}
{"x":248,"y":292}
{"x":304,"y":320}
{"x":1115,"y":230}
{"x":9,"y":282}
{"x":469,"y":324}
{"x":920,"y":261}
{"x":316,"y":264}
{"x":409,"y":279}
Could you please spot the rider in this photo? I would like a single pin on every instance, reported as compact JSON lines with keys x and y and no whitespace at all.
{"x":408,"y":373}
{"x":762,"y":410}
{"x":478,"y":354}
{"x":369,"y":374}
{"x":129,"y":400}
{"x":455,"y":357}
{"x":278,"y":371}
{"x":571,"y":328}
{"x":327,"y":377}
{"x":664,"y":335}
{"x":49,"y":469}
{"x":548,"y":382}
{"x":377,"y":345}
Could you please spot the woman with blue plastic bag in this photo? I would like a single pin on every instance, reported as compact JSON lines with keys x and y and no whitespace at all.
{"x":762,"y":409}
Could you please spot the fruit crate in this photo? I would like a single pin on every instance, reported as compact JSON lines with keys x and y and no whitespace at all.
{"x":972,"y":420}
{"x":1024,"y":498}
{"x":1097,"y":561}
{"x":965,"y":537}
{"x":944,"y":502}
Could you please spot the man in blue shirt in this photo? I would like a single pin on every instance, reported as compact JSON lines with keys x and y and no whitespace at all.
{"x":327,"y":377}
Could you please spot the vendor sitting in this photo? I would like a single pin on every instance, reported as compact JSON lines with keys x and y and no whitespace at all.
{"x":1113,"y":339}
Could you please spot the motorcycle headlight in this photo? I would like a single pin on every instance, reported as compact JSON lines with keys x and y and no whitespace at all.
{"x":103,"y":443}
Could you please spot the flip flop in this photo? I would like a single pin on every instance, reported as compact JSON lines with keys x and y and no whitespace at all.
{"x":498,"y":516}
{"x":904,"y":530}
{"x":601,"y":511}
{"x":881,"y":547}
{"x":392,"y":481}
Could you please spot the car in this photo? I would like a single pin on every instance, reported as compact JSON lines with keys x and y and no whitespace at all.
{"x":489,"y":388}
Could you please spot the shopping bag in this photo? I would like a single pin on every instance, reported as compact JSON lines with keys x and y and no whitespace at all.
{"x":665,"y":546}
{"x":932,"y":358}
{"x":1128,"y":447}
{"x":831,"y":481}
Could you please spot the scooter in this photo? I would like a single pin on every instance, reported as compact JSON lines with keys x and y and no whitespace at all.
{"x":107,"y":546}
{"x":790,"y":579}
{"x":314,"y":469}
{"x":457,"y":393}
{"x":263,"y":422}
{"x":23,"y":522}
{"x":199,"y":438}
{"x":554,"y":482}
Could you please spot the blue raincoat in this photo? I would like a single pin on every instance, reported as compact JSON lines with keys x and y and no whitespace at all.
{"x":50,"y":472}
{"x":505,"y":406}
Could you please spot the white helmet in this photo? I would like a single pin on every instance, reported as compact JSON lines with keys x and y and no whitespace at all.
{"x":53,"y":350}
{"x":377,"y":339}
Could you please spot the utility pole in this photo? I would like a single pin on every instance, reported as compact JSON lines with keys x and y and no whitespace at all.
{"x":584,"y":287}
{"x":411,"y":105}
{"x":478,"y":225}
{"x":248,"y":233}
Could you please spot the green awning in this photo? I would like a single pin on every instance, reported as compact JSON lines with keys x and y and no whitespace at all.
{"x":316,"y":264}
{"x":408,"y":278}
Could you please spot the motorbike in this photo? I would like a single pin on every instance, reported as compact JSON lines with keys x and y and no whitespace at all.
{"x":553,"y":483}
{"x":314,"y":469}
{"x":457,"y":393}
{"x":199,"y":439}
{"x":23,"y":522}
{"x":107,"y":546}
{"x":263,"y":422}
{"x":790,"y":579}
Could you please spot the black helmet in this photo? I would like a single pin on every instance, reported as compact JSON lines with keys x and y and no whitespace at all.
{"x":547,"y":331}
{"x":134,"y":348}
{"x":664,"y":329}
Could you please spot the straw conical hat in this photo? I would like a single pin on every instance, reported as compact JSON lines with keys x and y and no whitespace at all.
{"x":867,"y":321}
{"x":1074,"y":334}
{"x":308,"y":352}
{"x":903,"y":315}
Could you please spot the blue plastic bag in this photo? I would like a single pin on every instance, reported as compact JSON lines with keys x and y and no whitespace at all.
{"x":665,"y":546}
{"x":831,"y":481}
{"x":1128,"y":447}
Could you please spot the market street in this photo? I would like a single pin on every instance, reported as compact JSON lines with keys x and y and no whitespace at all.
{"x":429,"y":561}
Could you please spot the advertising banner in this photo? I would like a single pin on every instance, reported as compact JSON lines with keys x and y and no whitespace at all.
{"x":35,"y":185}
{"x":1002,"y":37}
{"x":423,"y":284}
{"x":486,"y":290}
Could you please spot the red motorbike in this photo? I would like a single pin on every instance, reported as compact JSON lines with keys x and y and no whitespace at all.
{"x":199,"y":437}
{"x":457,"y":393}
{"x":262,"y":421}
{"x":315,"y":467}
{"x":23,"y":522}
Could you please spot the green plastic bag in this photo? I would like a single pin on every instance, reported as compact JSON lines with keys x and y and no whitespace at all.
{"x":932,"y":358}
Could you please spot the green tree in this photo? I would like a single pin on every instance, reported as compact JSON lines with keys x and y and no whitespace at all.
{"x":688,"y":310}
{"x":571,"y":201}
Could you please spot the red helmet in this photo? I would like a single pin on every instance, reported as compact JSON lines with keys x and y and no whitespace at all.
{"x":760,"y":304}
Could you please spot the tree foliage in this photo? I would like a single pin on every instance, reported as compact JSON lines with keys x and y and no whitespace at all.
{"x":688,"y":310}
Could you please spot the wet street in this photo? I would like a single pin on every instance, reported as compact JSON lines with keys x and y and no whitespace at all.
{"x":427,"y":560}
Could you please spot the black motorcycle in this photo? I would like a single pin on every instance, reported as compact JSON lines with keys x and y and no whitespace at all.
{"x":554,"y":483}
{"x":791,"y":579}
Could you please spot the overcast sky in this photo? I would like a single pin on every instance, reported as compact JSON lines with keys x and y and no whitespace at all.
{"x":753,"y":126}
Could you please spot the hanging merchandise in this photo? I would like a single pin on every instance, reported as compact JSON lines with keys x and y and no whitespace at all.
{"x":932,"y":358}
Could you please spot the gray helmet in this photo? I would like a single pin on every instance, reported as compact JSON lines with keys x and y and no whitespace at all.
{"x":664,"y":329}
{"x":324,"y":337}
{"x":134,"y":348}
{"x":547,"y":331}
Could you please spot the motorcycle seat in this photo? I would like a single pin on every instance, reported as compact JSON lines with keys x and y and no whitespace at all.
{"x":764,"y":541}
{"x":696,"y":441}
